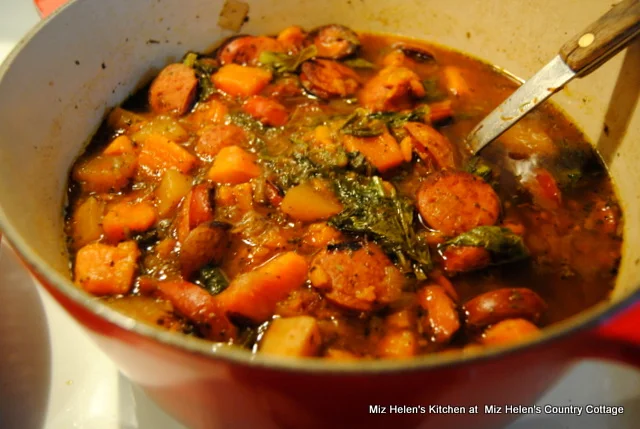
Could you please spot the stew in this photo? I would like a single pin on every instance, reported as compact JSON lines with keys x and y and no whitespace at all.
{"x":310,"y":195}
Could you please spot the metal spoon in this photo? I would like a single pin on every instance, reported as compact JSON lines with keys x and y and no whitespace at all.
{"x":581,"y":55}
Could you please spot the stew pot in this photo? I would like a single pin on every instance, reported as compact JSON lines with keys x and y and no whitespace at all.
{"x":89,"y":55}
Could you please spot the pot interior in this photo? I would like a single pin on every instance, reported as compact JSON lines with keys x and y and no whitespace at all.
{"x":56,"y":88}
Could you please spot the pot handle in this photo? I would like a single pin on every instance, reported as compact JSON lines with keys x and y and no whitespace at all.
{"x":617,"y":339}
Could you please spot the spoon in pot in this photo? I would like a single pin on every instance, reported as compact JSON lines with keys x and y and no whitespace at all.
{"x":581,"y":55}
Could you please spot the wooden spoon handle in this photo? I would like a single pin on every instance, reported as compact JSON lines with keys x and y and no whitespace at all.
{"x":604,"y":38}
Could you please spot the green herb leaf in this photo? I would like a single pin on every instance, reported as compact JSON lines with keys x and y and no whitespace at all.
{"x":359,"y":63}
{"x":479,"y":167}
{"x":212,"y":279}
{"x":283,"y":63}
{"x":397,"y":120}
{"x":384,"y":217}
{"x":432,"y":91}
{"x":203,"y":70}
{"x":360,"y":124}
{"x":502,"y":243}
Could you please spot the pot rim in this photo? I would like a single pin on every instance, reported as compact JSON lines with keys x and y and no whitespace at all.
{"x":219,"y":351}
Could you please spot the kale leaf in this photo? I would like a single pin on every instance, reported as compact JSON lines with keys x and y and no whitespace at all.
{"x":361,"y":124}
{"x":359,"y":63}
{"x":282,"y":63}
{"x":479,"y":167}
{"x":212,"y":279}
{"x":203,"y":70}
{"x":502,"y":243}
{"x":372,"y":210}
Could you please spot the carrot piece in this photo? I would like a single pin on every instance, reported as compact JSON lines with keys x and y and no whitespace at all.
{"x":304,"y":203}
{"x":456,"y":83}
{"x":101,"y":269}
{"x":233,"y":165}
{"x":382,"y":151}
{"x":292,"y":336}
{"x":105,"y":173}
{"x":240,"y":80}
{"x":253,"y":296}
{"x":266,"y":110}
{"x":120,"y":145}
{"x":159,"y":154}
{"x":124,"y":218}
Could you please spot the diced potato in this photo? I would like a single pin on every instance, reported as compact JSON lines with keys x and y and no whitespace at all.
{"x":105,"y":173}
{"x":163,"y":126}
{"x":86,"y":222}
{"x":121,"y":119}
{"x":173,"y":187}
{"x":293,"y":336}
{"x":398,"y":345}
{"x":119,"y":146}
{"x":307,"y":204}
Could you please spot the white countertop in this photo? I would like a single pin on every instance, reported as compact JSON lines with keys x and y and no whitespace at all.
{"x":52,"y":376}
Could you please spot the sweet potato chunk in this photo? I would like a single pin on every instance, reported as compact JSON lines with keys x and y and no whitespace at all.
{"x":293,"y":336}
{"x":101,"y":269}
{"x":234,"y":165}
{"x":159,"y":154}
{"x":382,"y":151}
{"x":253,"y":296}
{"x":243,"y":81}
{"x":124,"y":219}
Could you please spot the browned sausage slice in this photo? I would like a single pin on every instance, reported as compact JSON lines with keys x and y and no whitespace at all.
{"x":437,"y":147}
{"x":509,"y":331}
{"x":465,"y":258}
{"x":495,"y":306}
{"x":334,"y":41}
{"x":441,"y":320}
{"x":197,"y":305}
{"x":393,"y":88}
{"x":246,"y":50}
{"x":328,"y":79}
{"x":173,"y":90}
{"x":207,"y":243}
{"x":455,"y":201}
{"x":356,"y":276}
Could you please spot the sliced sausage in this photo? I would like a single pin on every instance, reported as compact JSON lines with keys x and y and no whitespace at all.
{"x":465,"y":258}
{"x":200,"y":307}
{"x":174,"y":90}
{"x":266,"y":110}
{"x":441,"y":320}
{"x":509,"y":331}
{"x":334,"y":41}
{"x":393,"y":88}
{"x":207,"y":243}
{"x":328,"y":79}
{"x":196,"y":208}
{"x":495,"y":306}
{"x":455,"y":201}
{"x":216,"y":137}
{"x":432,"y":145}
{"x":246,"y":50}
{"x":356,"y":276}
